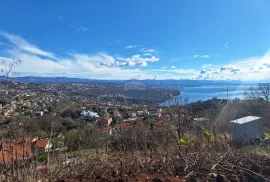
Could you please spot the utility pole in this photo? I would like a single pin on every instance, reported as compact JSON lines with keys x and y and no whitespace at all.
{"x":49,"y":143}
{"x":147,"y":103}
{"x":227,"y":94}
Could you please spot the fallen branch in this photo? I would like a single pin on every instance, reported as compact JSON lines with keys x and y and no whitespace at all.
{"x":215,"y":165}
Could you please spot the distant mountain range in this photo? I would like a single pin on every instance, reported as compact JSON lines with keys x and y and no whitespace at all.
{"x":190,"y":83}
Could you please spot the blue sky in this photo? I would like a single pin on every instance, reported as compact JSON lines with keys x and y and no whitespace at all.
{"x":146,"y":39}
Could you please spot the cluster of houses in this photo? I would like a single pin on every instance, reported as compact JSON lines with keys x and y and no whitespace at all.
{"x":20,"y":106}
{"x":22,"y":149}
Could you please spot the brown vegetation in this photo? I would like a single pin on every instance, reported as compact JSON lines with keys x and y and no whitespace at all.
{"x":172,"y":149}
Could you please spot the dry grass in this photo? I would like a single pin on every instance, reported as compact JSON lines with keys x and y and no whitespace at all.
{"x":161,"y":157}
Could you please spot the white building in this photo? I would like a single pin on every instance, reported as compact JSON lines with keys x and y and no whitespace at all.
{"x":89,"y":114}
{"x":246,"y":129}
{"x":158,"y":115}
{"x":159,"y":110}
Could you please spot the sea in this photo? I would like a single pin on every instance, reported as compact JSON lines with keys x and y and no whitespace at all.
{"x":206,"y":92}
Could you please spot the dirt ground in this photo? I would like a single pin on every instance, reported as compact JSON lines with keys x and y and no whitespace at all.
{"x":130,"y":178}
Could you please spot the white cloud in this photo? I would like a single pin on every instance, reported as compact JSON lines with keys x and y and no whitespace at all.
{"x":206,"y":66}
{"x":196,"y":56}
{"x":173,"y":67}
{"x":22,"y":44}
{"x":206,"y":70}
{"x":176,"y":77}
{"x":147,"y":54}
{"x":82,"y":66}
{"x":244,"y":69}
{"x":236,"y":71}
{"x":37,"y":62}
{"x":142,"y":64}
{"x":205,"y":56}
{"x":227,"y":68}
{"x":203,"y":71}
{"x":136,"y":60}
{"x":201,"y":56}
{"x":93,"y":61}
{"x":147,"y":50}
{"x":132,"y":46}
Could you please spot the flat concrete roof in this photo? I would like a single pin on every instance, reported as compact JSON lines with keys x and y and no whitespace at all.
{"x":245,"y":119}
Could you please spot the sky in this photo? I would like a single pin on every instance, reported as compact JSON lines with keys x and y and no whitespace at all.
{"x":137,"y":39}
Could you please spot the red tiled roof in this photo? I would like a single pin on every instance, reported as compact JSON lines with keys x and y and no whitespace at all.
{"x":41,"y":143}
{"x":15,"y":151}
{"x":21,"y":139}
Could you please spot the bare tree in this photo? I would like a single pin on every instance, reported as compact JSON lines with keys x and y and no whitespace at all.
{"x":9,"y":65}
{"x":260,"y":92}
{"x":258,"y":101}
{"x":179,"y":118}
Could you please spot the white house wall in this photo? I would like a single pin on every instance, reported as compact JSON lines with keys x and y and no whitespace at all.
{"x":243,"y":133}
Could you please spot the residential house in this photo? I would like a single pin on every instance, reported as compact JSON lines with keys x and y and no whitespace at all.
{"x":104,"y":122}
{"x":42,"y":146}
{"x":38,"y":113}
{"x":89,"y":115}
{"x":108,"y":120}
{"x":15,"y":152}
{"x":140,"y":113}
